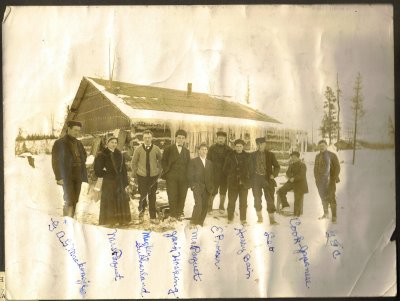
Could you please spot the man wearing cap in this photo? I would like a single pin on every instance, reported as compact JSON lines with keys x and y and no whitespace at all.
{"x":238,"y":169}
{"x":326,"y":174}
{"x":217,"y":155}
{"x":146,"y":168}
{"x":297,"y":181}
{"x":201,"y":182}
{"x":265,"y":170}
{"x":68,"y":162}
{"x":175,"y":160}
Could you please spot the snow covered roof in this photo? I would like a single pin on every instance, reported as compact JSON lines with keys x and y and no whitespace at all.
{"x":139,"y":101}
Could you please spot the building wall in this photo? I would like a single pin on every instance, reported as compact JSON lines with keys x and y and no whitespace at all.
{"x":99,"y":115}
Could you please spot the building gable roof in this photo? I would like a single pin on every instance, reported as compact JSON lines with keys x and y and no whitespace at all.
{"x":141,"y":97}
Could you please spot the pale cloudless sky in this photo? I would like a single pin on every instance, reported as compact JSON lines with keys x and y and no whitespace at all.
{"x":289,"y":53}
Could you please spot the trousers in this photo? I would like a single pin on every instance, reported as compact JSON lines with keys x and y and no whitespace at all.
{"x":147,"y":190}
{"x":233,"y":193}
{"x":177,"y":188}
{"x":260,"y":185}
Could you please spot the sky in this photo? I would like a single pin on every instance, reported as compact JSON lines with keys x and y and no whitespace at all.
{"x":288,"y":54}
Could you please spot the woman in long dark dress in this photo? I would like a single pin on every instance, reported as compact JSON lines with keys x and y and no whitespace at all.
{"x":109,"y":164}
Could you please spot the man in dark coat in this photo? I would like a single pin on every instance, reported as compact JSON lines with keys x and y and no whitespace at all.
{"x":326,"y":174}
{"x":265,"y":170}
{"x":201,"y":182}
{"x":217,"y":155}
{"x":238,"y":169}
{"x":297,"y":181}
{"x":69,"y":166}
{"x":174,"y":162}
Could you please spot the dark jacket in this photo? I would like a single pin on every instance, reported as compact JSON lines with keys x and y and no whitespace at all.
{"x":200,"y":177}
{"x":298,"y":170}
{"x":238,"y":168}
{"x":272,"y":166}
{"x":327,"y":168}
{"x":104,"y":167}
{"x":170,"y":159}
{"x":62,"y":158}
{"x":217,"y":154}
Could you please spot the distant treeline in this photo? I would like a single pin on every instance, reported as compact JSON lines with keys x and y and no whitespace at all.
{"x":36,"y":137}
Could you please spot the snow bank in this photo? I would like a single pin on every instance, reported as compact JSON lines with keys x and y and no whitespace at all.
{"x":267,"y":254}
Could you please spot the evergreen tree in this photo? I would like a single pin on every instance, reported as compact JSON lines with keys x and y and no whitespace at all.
{"x":329,"y":121}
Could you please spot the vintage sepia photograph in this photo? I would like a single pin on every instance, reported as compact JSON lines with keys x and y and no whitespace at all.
{"x":199,"y":151}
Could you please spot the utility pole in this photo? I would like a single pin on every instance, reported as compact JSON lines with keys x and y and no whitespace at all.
{"x":338,"y":91}
{"x":247,"y":98}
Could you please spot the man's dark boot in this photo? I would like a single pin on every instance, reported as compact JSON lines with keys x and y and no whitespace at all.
{"x":222,"y":198}
{"x":333,"y":209}
{"x":210,"y":204}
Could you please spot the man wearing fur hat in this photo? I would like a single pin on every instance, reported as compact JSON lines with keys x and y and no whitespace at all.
{"x":69,"y":165}
{"x":238,"y":169}
{"x":217,"y":154}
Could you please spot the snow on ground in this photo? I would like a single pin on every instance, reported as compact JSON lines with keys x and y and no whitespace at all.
{"x":364,"y":264}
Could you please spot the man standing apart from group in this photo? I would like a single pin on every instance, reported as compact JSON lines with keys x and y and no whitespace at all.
{"x":217,"y":154}
{"x":174,"y":162}
{"x":69,"y":166}
{"x":326,"y":174}
{"x":146,"y":168}
{"x":201,"y":182}
{"x":238,"y":169}
{"x":265,"y":170}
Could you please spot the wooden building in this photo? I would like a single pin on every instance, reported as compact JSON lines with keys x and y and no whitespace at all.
{"x":127,"y":109}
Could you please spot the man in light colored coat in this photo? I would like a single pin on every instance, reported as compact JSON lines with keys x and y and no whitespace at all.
{"x":146,"y":168}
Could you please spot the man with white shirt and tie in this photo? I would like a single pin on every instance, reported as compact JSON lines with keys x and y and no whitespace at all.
{"x":146,"y":168}
{"x":201,"y":182}
{"x":174,"y":162}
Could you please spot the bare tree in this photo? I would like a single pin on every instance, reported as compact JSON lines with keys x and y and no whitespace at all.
{"x":358,"y":110}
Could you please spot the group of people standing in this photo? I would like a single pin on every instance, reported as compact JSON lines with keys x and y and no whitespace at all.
{"x":218,"y":169}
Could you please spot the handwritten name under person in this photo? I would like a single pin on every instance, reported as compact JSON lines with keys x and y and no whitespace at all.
{"x":240,"y":232}
{"x":115,"y":254}
{"x":302,"y":249}
{"x":144,"y":252}
{"x":334,"y":243}
{"x":176,"y":259}
{"x":194,"y":255}
{"x":219,"y":236}
{"x":268,"y":240}
{"x":69,"y":246}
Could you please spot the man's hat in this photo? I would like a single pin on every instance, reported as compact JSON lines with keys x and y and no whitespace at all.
{"x":260,"y":140}
{"x":111,"y":138}
{"x":72,"y":123}
{"x":181,"y":132}
{"x":295,"y":153}
{"x":239,"y":141}
{"x":221,"y":133}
